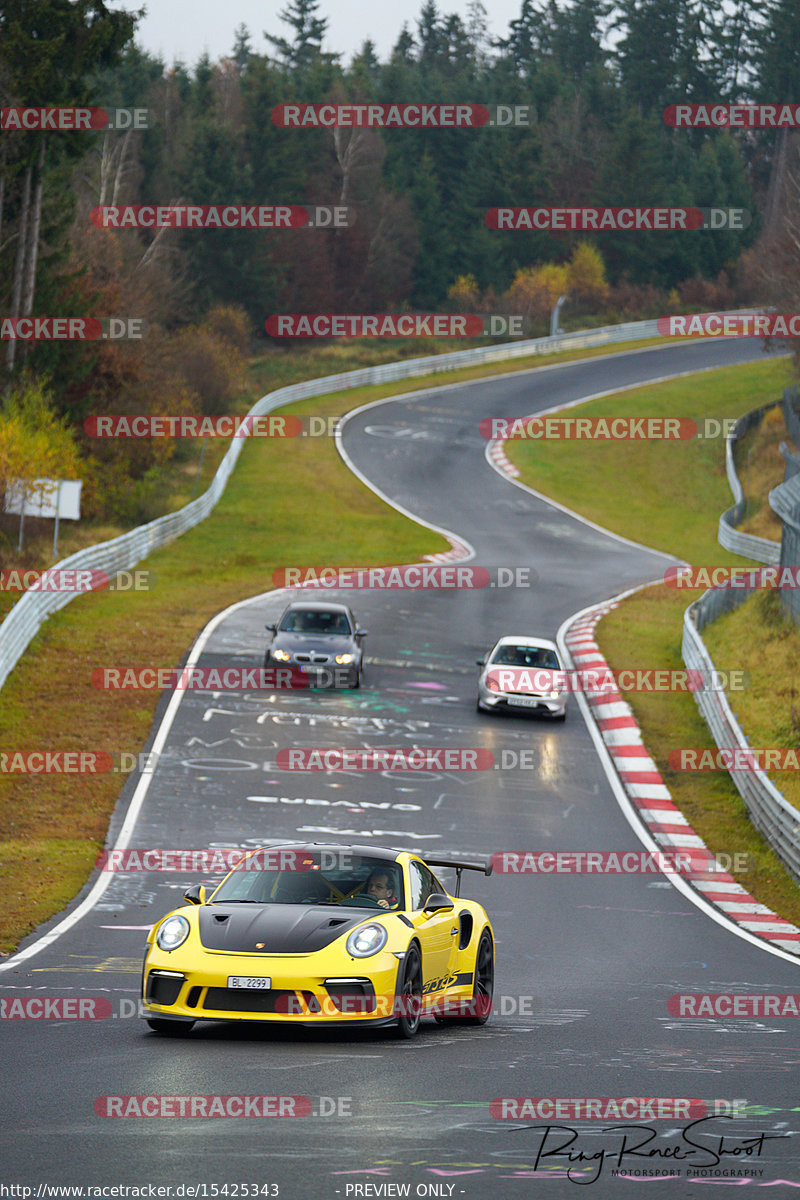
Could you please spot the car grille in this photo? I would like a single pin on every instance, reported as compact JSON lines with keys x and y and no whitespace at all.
{"x":164,"y":988}
{"x":352,"y":997}
{"x":319,"y":659}
{"x":258,"y":1000}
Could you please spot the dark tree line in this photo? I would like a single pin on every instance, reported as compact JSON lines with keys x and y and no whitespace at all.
{"x":596,"y":76}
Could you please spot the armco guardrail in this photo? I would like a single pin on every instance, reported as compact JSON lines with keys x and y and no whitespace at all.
{"x":790,"y":397}
{"x":785,"y":501}
{"x":774,"y":816}
{"x":33,"y":608}
{"x":792,"y":461}
{"x":747,"y":544}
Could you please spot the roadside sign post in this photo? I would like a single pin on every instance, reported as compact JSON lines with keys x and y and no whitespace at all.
{"x":21,"y":523}
{"x":56,"y":498}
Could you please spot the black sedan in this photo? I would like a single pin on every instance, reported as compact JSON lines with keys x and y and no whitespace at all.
{"x":320,"y":639}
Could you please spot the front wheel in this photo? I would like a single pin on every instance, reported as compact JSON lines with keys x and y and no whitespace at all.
{"x":409,"y":995}
{"x":169,"y":1028}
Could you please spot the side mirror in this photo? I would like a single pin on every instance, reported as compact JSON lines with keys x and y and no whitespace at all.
{"x":438,"y":902}
{"x":272,"y":628}
{"x":196,"y":894}
{"x":480,"y":661}
{"x":361,"y":633}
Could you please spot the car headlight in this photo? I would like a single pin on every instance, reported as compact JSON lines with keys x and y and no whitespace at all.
{"x":492,"y":684}
{"x":344,"y":658}
{"x":366,"y":940}
{"x":281,"y":656}
{"x":554,"y":695}
{"x":172,"y":933}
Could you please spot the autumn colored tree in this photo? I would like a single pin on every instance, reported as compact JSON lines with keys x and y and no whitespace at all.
{"x":464,"y":294}
{"x":586,"y":274}
{"x":35,"y":443}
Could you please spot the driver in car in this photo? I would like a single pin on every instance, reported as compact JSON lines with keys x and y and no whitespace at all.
{"x":379,"y":887}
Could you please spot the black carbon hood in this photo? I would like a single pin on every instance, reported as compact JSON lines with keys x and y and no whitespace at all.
{"x":282,"y":928}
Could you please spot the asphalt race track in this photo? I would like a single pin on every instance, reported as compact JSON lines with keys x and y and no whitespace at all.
{"x":585,"y":965}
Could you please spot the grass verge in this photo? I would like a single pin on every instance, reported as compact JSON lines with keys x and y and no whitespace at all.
{"x":760,"y":467}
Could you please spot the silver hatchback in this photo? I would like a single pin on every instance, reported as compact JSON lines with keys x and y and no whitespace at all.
{"x":523,"y":674}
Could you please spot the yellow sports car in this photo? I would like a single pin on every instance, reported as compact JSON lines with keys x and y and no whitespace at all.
{"x":319,"y":935}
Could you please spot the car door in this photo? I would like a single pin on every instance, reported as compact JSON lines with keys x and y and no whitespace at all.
{"x":437,"y":931}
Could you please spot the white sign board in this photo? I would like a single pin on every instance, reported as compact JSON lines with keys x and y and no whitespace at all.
{"x":46,"y":498}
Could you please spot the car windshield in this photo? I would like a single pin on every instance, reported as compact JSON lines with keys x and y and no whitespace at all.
{"x":315,"y":621}
{"x":537,"y":657}
{"x":332,"y":877}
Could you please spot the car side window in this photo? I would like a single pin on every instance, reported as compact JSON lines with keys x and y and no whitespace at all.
{"x":436,"y":886}
{"x":417,"y":886}
{"x":423,"y":885}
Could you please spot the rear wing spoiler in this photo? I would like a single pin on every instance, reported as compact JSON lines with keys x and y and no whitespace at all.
{"x":458,"y":866}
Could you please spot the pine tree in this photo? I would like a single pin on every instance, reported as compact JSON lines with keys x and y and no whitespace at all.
{"x":303,"y":54}
{"x":242,"y":51}
{"x":664,"y":55}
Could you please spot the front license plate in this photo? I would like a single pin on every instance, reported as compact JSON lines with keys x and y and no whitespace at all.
{"x":523,"y":701}
{"x":249,"y":981}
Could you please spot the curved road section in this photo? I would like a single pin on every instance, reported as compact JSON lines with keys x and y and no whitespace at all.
{"x":586,"y":964}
